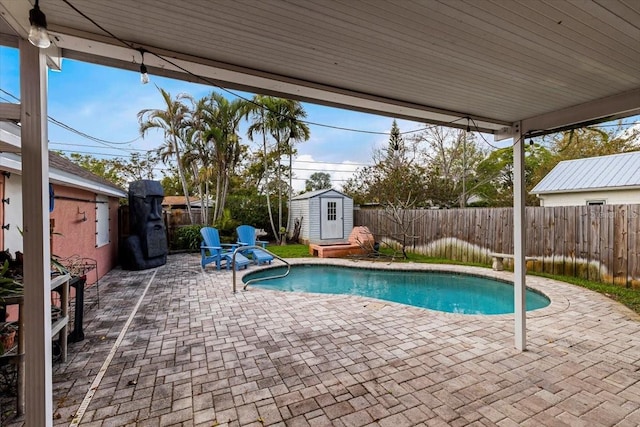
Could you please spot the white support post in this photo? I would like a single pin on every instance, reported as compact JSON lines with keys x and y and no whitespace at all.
{"x":37,"y":253}
{"x":519,"y":279}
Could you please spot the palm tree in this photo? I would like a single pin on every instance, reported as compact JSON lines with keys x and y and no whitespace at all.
{"x":220,"y":131}
{"x":298,"y":132}
{"x":281,"y":118}
{"x":171,"y":121}
{"x":260,"y":124}
{"x":198,"y":153}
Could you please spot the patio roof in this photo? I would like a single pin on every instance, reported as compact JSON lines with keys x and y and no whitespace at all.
{"x":548,"y":64}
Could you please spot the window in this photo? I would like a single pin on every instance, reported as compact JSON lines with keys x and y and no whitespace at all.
{"x":102,"y":220}
{"x":332,"y":211}
{"x":596,"y":202}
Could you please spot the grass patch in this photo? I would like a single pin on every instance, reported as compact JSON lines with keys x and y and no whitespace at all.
{"x":626,"y":296}
{"x":290,"y":250}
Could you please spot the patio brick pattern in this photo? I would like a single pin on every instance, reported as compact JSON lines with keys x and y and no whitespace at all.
{"x":196,"y":354}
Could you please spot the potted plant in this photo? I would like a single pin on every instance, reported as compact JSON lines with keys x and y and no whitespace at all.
{"x":7,"y":336}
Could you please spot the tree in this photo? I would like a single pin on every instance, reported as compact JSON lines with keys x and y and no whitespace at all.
{"x":450,"y":157}
{"x":318,"y":181}
{"x":107,"y":169}
{"x":172,"y":122}
{"x":120,"y":171}
{"x":494,"y":175}
{"x":281,"y":120}
{"x":395,"y":178}
{"x":221,"y":131}
{"x":137,"y":167}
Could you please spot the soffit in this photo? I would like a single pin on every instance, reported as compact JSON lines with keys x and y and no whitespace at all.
{"x":439,"y":61}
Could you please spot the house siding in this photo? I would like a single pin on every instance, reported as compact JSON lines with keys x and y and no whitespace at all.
{"x":611,"y":197}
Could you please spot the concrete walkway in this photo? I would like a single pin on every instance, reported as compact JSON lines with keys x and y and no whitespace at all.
{"x":195,"y":354}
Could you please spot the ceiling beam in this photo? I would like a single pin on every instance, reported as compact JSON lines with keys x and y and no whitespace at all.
{"x":601,"y":110}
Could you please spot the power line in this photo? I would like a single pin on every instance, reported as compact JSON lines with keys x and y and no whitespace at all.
{"x":74,"y":130}
{"x":130,"y":150}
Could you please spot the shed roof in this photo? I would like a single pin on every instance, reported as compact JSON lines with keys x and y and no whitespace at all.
{"x":617,"y":171}
{"x":311,"y":194}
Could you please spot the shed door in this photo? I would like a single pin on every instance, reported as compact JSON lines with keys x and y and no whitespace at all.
{"x":331,"y":224}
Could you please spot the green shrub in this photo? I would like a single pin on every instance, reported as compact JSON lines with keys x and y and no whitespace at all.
{"x":226,"y":226}
{"x":187,"y":237}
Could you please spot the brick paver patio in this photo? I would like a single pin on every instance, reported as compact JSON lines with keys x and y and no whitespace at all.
{"x":195,"y":354}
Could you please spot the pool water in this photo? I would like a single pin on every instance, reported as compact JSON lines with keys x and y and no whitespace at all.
{"x":449,"y":292}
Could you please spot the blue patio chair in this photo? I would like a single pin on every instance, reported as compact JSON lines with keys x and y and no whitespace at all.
{"x":212,"y":251}
{"x":247,"y":237}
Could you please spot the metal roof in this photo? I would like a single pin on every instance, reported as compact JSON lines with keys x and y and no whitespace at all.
{"x":547,"y":63}
{"x":618,"y":171}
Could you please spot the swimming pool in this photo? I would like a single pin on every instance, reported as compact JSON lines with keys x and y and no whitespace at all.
{"x":448,"y":292}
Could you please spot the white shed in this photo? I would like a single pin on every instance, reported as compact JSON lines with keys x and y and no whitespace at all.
{"x":604,"y":180}
{"x":326,"y":216}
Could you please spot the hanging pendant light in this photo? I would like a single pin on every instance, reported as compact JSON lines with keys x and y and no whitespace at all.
{"x":38,"y":34}
{"x":144,"y":76}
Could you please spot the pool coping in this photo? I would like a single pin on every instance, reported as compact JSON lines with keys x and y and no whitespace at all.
{"x":556,"y":291}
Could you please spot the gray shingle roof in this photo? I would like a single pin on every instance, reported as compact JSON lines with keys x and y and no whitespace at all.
{"x":66,"y":165}
{"x":617,"y":171}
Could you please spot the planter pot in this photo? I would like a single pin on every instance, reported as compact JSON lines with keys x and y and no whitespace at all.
{"x":7,"y":340}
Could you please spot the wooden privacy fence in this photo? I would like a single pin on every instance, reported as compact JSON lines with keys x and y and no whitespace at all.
{"x":594,"y":242}
{"x":173,"y":220}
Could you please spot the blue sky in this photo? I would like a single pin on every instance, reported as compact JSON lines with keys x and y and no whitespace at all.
{"x":103,"y":102}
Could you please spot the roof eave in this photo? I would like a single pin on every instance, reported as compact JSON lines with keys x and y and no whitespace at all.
{"x":585,"y":190}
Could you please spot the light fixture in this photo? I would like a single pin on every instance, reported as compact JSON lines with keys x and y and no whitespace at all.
{"x":38,"y":34}
{"x":144,"y":76}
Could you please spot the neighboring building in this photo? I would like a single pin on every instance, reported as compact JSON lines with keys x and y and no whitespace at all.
{"x":326,"y":216}
{"x":605,"y":180}
{"x":170,"y":203}
{"x":84,"y":219}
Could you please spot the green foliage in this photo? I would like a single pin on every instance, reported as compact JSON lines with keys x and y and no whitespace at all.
{"x":251,"y":209}
{"x":187,"y":237}
{"x":318,"y":181}
{"x":495,"y":175}
{"x":395,"y":178}
{"x":9,"y":287}
{"x":226,"y":225}
{"x":107,"y":169}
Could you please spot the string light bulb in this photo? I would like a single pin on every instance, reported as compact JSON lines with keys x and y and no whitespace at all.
{"x":38,"y":34}
{"x":144,"y":75}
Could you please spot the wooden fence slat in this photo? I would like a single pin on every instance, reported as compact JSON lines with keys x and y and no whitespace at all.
{"x":571,"y":240}
{"x":594,"y":239}
{"x":620,"y":244}
{"x":633,"y":248}
{"x":572,"y":236}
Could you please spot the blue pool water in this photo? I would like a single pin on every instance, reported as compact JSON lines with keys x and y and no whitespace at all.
{"x":449,"y":292}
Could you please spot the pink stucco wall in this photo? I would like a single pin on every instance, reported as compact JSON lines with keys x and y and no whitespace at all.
{"x":73,"y":236}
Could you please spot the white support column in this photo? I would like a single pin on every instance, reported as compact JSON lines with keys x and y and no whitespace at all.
{"x":37,"y":253}
{"x":519,"y":278}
